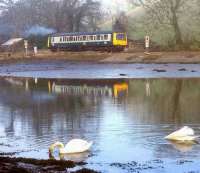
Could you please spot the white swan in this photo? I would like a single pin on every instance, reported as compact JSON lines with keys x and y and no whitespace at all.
{"x":72,"y":147}
{"x":184,"y":134}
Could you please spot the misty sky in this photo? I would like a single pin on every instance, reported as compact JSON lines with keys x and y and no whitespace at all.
{"x":115,"y":4}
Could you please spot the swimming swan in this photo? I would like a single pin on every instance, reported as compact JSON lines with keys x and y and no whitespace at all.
{"x":72,"y":147}
{"x":185,"y":134}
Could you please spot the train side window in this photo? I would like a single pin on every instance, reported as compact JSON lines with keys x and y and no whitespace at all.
{"x":60,"y":39}
{"x":71,"y":38}
{"x":52,"y":39}
{"x":84,"y":38}
{"x":102,"y":37}
{"x":105,"y":37}
{"x":81,"y":38}
{"x":98,"y":37}
{"x":91,"y":37}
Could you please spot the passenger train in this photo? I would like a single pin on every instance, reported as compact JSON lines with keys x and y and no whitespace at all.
{"x":108,"y":41}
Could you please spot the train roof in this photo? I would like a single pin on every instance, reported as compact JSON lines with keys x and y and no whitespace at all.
{"x":81,"y":33}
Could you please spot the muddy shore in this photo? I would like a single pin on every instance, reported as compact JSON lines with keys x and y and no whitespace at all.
{"x":106,"y":57}
{"x":22,"y":165}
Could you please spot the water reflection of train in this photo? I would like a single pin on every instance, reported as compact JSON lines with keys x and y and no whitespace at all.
{"x":99,"y":89}
{"x":109,"y":88}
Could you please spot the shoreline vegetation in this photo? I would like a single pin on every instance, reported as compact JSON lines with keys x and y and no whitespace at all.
{"x":190,"y":57}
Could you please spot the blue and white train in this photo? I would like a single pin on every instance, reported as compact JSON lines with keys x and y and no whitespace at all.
{"x":109,"y":41}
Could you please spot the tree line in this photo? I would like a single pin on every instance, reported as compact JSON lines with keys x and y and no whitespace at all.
{"x":61,"y":15}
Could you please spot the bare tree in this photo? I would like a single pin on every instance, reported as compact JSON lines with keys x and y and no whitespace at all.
{"x":166,"y":13}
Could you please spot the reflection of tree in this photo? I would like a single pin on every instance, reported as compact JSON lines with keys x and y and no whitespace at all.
{"x":42,"y":114}
{"x":171,"y":101}
{"x":176,"y":100}
{"x":9,"y":130}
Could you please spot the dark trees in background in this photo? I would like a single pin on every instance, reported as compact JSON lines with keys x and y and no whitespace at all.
{"x":61,"y":15}
{"x":121,"y":23}
{"x":80,"y":15}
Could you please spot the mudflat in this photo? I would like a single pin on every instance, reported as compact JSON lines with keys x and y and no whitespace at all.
{"x":110,"y":57}
{"x":22,"y":165}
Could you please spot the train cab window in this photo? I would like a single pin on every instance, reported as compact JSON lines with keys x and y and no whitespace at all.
{"x":121,"y":37}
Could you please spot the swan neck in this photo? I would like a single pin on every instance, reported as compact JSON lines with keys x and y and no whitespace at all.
{"x":60,"y":145}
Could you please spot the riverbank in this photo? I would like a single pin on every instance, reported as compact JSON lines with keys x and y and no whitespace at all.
{"x":106,"y":57}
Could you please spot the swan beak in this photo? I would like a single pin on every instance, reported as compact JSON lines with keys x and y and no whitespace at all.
{"x":51,"y":148}
{"x":51,"y":155}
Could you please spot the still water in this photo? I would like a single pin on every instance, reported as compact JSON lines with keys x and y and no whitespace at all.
{"x":126,"y":119}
